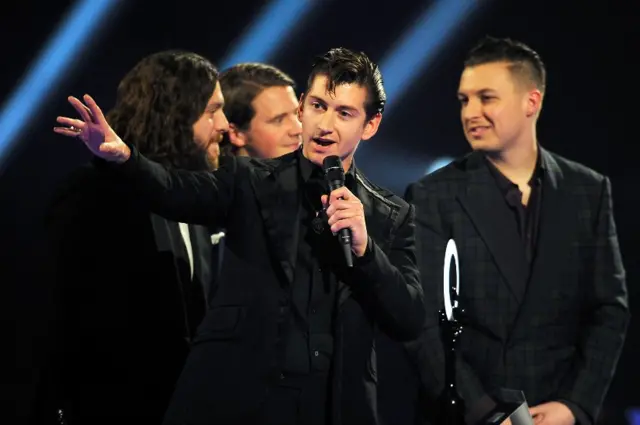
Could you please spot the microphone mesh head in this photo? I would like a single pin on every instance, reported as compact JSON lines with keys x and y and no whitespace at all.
{"x":330,"y":162}
{"x":333,"y":169}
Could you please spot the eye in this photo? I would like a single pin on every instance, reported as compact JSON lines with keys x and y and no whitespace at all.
{"x":486,"y":98}
{"x":316,"y":105}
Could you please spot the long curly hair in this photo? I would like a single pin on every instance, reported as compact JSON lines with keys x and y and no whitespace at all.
{"x":158,"y":102}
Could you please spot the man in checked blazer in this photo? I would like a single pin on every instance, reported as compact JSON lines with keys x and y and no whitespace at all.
{"x":542,"y":283}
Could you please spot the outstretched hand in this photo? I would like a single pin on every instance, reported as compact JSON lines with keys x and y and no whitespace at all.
{"x":94,"y":131}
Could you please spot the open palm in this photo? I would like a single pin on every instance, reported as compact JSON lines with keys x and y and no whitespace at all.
{"x":94,"y":131}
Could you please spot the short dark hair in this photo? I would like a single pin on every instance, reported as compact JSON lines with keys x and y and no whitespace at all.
{"x":240,"y":85}
{"x":524,"y":61}
{"x":344,"y":66}
{"x":158,"y":102}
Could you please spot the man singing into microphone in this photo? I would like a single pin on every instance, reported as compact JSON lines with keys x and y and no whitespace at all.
{"x":542,"y":280}
{"x":289,"y":337}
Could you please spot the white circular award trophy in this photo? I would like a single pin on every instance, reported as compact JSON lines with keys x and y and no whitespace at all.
{"x":511,"y":404}
{"x":450,"y":331}
{"x":450,"y":253}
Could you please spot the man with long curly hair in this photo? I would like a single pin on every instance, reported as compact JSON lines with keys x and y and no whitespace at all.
{"x":125,"y":335}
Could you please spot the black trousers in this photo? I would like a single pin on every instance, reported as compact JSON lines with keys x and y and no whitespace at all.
{"x":297,"y":400}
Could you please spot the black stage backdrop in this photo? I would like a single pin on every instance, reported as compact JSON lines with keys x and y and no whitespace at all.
{"x":588,"y":116}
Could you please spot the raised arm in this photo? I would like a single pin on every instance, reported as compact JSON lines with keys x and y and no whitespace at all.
{"x":194,"y":197}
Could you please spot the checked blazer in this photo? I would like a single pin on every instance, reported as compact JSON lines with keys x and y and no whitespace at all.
{"x":555,"y":332}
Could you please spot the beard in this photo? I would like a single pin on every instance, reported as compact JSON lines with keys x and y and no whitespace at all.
{"x":213,"y":161}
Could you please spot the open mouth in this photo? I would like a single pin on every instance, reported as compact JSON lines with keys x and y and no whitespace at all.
{"x":323,"y":142}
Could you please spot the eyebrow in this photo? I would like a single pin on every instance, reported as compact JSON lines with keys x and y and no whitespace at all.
{"x":339,"y":107}
{"x":215,"y":106}
{"x":283,"y":114}
{"x":480,"y":92}
{"x":277,"y":117}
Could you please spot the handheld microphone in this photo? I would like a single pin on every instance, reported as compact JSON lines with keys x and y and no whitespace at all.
{"x":334,"y":174}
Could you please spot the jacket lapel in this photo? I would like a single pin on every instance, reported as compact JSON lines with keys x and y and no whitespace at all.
{"x":496,"y":226}
{"x":557,"y":218}
{"x":202,"y":259}
{"x":380,"y":216}
{"x":556,"y":221}
{"x":276,"y":188}
{"x":169,"y":240}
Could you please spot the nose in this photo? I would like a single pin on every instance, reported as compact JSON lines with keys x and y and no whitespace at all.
{"x":471,"y":110}
{"x":296,"y":127}
{"x":326,"y":123}
{"x":221,"y":123}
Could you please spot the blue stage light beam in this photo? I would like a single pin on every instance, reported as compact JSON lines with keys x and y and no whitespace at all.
{"x":438,"y":163}
{"x":420,"y":44}
{"x":268,"y":31}
{"x":43,"y":75}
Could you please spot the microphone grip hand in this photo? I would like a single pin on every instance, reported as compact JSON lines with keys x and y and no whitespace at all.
{"x":345,"y":215}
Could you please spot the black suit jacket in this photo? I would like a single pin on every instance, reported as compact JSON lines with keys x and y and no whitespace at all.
{"x":557,"y":336}
{"x":124,"y":332}
{"x":235,"y":354}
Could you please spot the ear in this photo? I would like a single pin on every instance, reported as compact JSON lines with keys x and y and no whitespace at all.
{"x":300,"y":106}
{"x":236,"y":137}
{"x":534,"y":102}
{"x":371,"y":126}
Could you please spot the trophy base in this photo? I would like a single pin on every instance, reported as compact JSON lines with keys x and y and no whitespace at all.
{"x":504,"y":404}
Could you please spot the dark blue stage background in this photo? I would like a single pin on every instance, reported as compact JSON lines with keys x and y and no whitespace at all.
{"x":589,"y":112}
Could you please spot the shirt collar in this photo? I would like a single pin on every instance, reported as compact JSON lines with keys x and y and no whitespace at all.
{"x":309,"y":170}
{"x":504,"y":184}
